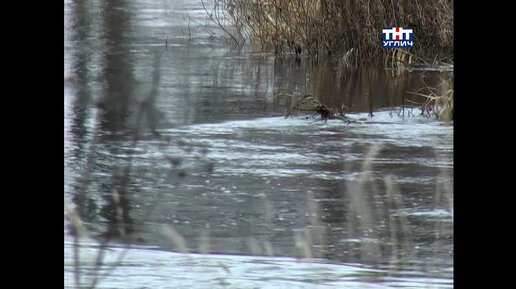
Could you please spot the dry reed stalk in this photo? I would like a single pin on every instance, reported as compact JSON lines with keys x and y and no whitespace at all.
{"x":335,"y":27}
{"x":439,"y":100}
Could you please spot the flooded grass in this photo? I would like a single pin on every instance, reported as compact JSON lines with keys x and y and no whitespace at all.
{"x":439,"y":100}
{"x":337,"y":28}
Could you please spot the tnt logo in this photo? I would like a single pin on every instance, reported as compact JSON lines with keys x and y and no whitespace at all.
{"x":397,"y":37}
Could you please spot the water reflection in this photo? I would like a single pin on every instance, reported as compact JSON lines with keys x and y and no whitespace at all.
{"x":190,"y":134}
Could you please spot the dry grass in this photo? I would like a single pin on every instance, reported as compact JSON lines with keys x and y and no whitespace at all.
{"x":372,"y":217}
{"x":439,"y":100}
{"x":376,"y":226}
{"x":334,"y":27}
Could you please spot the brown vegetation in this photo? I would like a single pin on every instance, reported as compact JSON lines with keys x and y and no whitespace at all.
{"x":335,"y":27}
{"x":439,"y":100}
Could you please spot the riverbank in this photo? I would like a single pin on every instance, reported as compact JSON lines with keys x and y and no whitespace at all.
{"x":351,"y":29}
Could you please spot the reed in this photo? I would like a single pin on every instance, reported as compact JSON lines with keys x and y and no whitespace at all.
{"x":438,"y":100}
{"x":333,"y":27}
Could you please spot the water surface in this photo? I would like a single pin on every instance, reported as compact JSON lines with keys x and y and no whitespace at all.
{"x":166,"y":127}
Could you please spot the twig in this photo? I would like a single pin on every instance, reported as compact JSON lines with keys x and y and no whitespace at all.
{"x":216,"y":21}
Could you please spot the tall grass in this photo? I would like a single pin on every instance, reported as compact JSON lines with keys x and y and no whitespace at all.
{"x":377,"y":227}
{"x":438,"y":100}
{"x":334,"y":27}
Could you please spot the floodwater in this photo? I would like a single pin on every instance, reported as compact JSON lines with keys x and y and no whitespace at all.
{"x":185,"y":172}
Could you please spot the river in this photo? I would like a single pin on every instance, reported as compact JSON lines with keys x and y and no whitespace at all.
{"x":179,"y":142}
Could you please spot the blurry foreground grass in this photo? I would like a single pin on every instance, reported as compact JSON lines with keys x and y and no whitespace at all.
{"x":376,"y":226}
